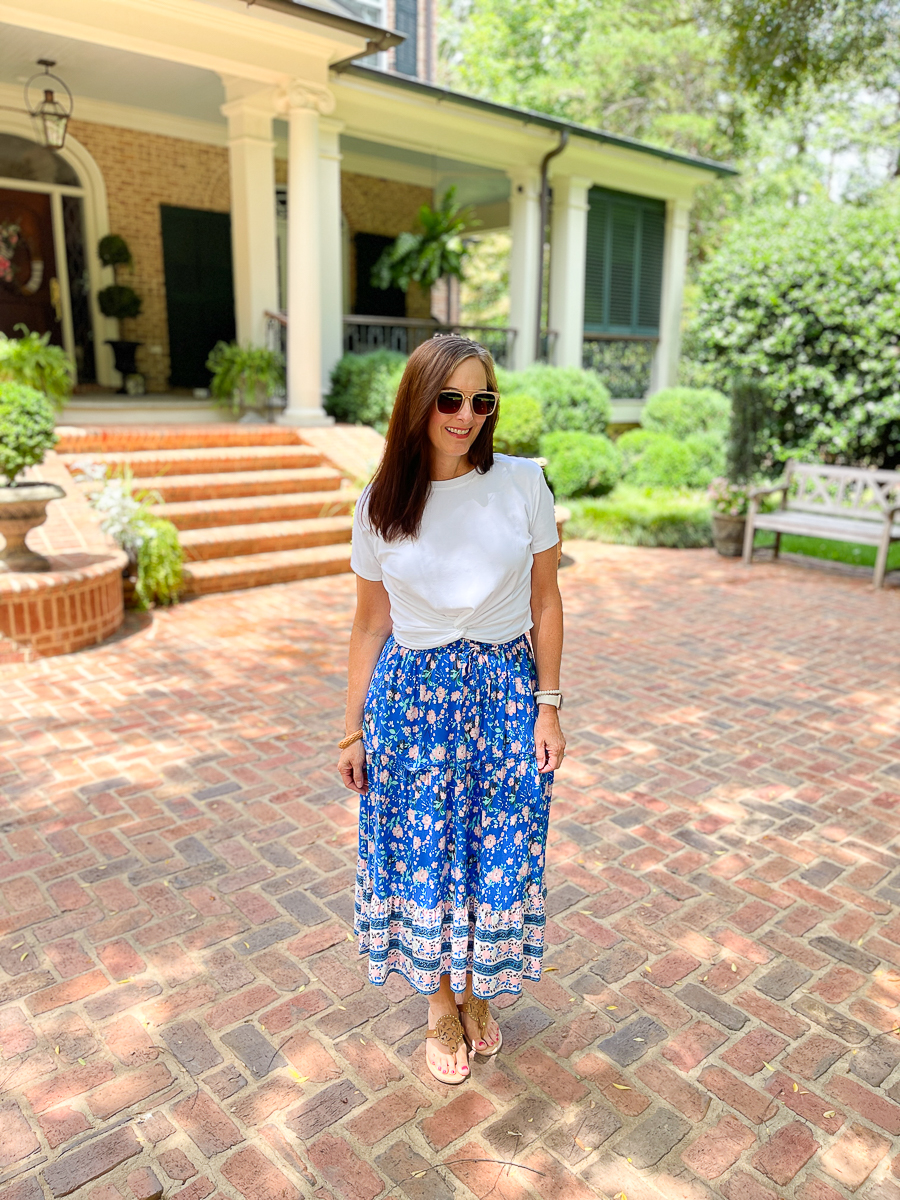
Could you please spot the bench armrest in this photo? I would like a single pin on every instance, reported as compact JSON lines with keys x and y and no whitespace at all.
{"x":769,"y":491}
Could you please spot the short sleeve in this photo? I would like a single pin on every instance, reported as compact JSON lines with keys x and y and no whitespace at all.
{"x":543,"y":519}
{"x":363,"y":552}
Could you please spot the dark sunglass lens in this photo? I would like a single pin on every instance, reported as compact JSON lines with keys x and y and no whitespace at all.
{"x":449,"y":402}
{"x":483,"y":403}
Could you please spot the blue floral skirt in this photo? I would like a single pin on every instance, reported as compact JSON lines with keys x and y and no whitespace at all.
{"x":453,"y":828}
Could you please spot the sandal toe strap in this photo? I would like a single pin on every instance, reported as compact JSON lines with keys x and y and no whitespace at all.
{"x":448,"y":1031}
{"x":477,"y":1008}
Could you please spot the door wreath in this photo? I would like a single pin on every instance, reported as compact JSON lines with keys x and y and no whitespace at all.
{"x":9,"y":239}
{"x":23,"y":234}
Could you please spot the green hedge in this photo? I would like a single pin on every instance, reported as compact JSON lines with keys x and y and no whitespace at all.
{"x":580,"y":464}
{"x":681,"y":411}
{"x":359,"y":392}
{"x":651,"y":459}
{"x":570,"y":399}
{"x":634,"y":516}
{"x":807,"y":300}
{"x":519,"y":426}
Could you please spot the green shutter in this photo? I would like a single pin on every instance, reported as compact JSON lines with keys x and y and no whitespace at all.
{"x":623,"y":268}
{"x":406,"y":20}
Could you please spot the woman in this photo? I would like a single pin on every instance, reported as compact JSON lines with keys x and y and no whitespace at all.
{"x":452,"y":734}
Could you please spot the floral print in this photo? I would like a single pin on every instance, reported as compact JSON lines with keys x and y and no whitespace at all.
{"x":453,"y":828}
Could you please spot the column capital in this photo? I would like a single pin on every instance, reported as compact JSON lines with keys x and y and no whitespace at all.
{"x":302,"y":94}
{"x":525,"y":181}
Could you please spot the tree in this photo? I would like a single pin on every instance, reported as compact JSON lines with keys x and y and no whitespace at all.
{"x":426,"y":257}
{"x":775,"y":47}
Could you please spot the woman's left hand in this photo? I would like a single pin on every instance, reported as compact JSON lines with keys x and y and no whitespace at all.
{"x":549,"y":740}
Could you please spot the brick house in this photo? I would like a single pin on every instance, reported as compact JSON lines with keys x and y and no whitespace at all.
{"x":257,"y":158}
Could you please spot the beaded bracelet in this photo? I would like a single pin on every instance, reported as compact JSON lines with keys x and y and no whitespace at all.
{"x":350,"y":739}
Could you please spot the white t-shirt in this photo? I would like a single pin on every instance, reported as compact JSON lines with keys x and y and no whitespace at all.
{"x":468,"y":573}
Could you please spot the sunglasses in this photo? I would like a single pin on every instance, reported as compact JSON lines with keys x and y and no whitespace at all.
{"x":451,"y":401}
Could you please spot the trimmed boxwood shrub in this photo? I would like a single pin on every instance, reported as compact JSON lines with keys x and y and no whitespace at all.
{"x":355,"y":397}
{"x":26,"y":429}
{"x":644,"y":517}
{"x":519,"y":426}
{"x":807,"y":299}
{"x":570,"y":398}
{"x":651,"y":459}
{"x":580,"y":464}
{"x":681,"y":411}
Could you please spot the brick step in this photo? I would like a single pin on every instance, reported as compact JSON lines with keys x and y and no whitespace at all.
{"x":229,"y":541}
{"x":290,"y":506}
{"x":129,"y":438}
{"x":212,"y":460}
{"x":257,"y":570}
{"x":176,"y":488}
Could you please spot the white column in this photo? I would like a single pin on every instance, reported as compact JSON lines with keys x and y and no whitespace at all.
{"x":524,"y":219}
{"x":331,"y":242}
{"x":303,"y":103}
{"x":665,"y":361}
{"x":254,"y":247}
{"x":568,"y":251}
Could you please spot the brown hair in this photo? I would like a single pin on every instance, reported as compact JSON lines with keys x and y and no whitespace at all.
{"x":398,"y":493}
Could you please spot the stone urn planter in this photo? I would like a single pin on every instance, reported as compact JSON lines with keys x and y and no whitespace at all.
{"x":23,"y":508}
{"x":728,"y":534}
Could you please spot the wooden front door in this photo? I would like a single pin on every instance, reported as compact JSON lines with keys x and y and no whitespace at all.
{"x":31,"y":296}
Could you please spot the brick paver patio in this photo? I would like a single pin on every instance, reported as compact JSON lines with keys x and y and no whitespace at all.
{"x":183,"y":1012}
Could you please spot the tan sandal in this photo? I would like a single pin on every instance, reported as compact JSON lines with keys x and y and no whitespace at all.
{"x":478,"y":1010}
{"x":450,"y":1033}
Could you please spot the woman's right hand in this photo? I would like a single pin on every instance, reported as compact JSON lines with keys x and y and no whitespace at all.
{"x":352,"y":767}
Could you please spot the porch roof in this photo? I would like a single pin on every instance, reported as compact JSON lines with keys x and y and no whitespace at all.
{"x":529,"y":117}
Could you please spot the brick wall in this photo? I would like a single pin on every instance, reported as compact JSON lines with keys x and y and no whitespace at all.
{"x":384,"y":206}
{"x":143,"y":171}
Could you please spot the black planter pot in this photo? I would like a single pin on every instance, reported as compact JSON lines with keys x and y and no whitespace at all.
{"x":124,"y":355}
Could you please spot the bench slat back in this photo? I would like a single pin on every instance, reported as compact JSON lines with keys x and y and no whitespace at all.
{"x":842,"y":491}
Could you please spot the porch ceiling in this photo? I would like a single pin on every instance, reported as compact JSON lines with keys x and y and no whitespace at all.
{"x":475,"y":184}
{"x":112,"y":76}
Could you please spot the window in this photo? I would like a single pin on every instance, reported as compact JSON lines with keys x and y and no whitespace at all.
{"x":623,"y":271}
{"x":407,"y":22}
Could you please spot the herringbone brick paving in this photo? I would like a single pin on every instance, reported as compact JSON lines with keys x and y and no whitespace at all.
{"x":183,"y":1011}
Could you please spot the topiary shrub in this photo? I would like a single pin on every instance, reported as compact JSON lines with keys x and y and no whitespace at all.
{"x":119,"y":301}
{"x":519,"y":425}
{"x":808,"y":300}
{"x":26,"y":429}
{"x":353,"y":397}
{"x":580,"y":464}
{"x":651,"y":459}
{"x":570,"y":399}
{"x":681,"y":411}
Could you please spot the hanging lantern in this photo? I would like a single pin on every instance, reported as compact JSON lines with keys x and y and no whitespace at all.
{"x":50,"y":115}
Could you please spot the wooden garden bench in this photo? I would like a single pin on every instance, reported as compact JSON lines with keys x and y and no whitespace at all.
{"x":843,"y":504}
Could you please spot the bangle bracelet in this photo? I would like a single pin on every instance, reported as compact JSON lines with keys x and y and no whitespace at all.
{"x":350,"y":739}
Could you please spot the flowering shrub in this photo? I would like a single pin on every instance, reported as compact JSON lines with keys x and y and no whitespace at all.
{"x":730,"y":499}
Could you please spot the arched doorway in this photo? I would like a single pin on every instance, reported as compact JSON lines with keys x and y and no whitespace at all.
{"x":48,"y":271}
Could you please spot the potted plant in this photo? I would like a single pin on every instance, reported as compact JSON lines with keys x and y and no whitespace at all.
{"x":26,"y":434}
{"x":123,"y":303}
{"x":245,"y":378}
{"x":730,"y":497}
{"x":729,"y":515}
{"x":437,"y":252}
{"x":30,"y":359}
